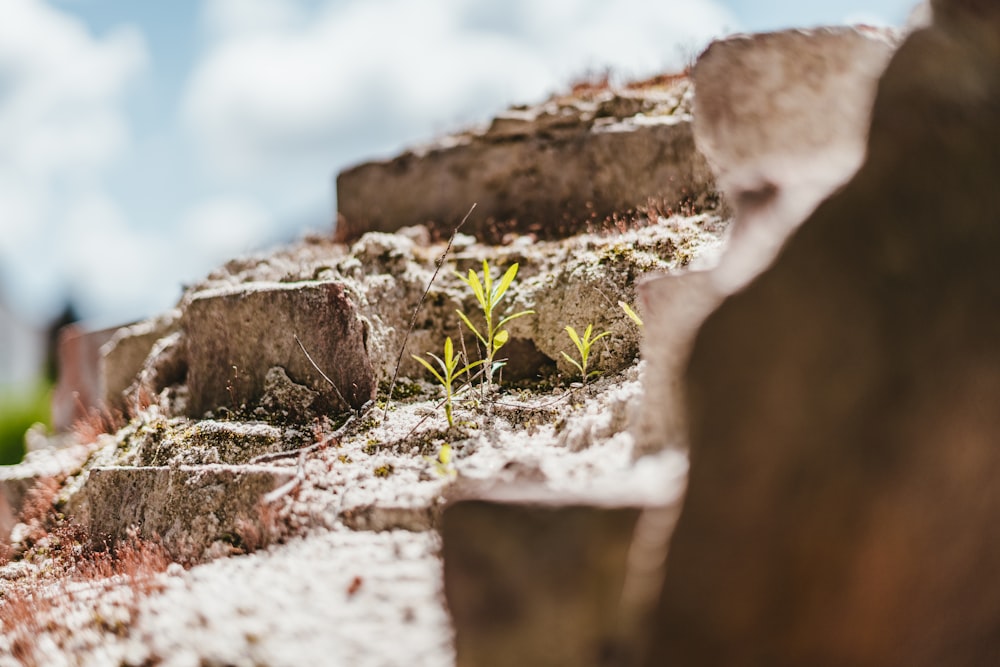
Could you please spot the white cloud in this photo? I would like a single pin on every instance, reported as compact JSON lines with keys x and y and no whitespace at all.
{"x":325,"y":82}
{"x":59,"y":89}
{"x":228,"y":18}
{"x":61,"y":125}
{"x":286,"y":92}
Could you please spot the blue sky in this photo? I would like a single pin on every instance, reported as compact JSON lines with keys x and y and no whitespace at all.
{"x":143,"y":142}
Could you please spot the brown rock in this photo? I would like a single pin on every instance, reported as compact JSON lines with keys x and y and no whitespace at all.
{"x":235,"y":336}
{"x":536,"y":580}
{"x":782,"y":118}
{"x":673,"y":307}
{"x":552,"y":171}
{"x":845,"y":444}
{"x":124,"y":355}
{"x":187,"y":509}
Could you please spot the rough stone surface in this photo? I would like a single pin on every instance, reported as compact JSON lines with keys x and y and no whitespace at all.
{"x":551,"y":170}
{"x":163,"y":374}
{"x":17,"y":480}
{"x":673,"y":308}
{"x":188,"y":509}
{"x":535,"y":579}
{"x":582,"y":283}
{"x":124,"y":355}
{"x":235,"y":336}
{"x":842,"y":497}
{"x":158,"y":441}
{"x":783,"y":118}
{"x":574,"y":281}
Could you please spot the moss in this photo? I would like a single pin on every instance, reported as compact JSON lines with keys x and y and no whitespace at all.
{"x":369,"y":422}
{"x":384,"y":471}
{"x":402,"y":390}
{"x":616,"y":254}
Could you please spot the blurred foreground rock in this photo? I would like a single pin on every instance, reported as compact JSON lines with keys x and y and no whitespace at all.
{"x":532,"y":578}
{"x":782,"y":118}
{"x":845,"y":445}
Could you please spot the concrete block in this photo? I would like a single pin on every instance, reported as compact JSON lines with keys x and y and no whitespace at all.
{"x":550,"y":581}
{"x":235,"y":336}
{"x":125,"y":353}
{"x":186,"y":508}
{"x":550,"y":170}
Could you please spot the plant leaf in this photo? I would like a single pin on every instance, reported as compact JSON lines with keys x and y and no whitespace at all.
{"x":487,"y":284}
{"x":467,"y":368}
{"x":472,"y":327}
{"x":438,"y":359}
{"x":428,"y":366}
{"x":514,"y":317}
{"x":477,"y":287}
{"x":505,"y":282}
{"x":599,"y":337}
{"x":500,"y":339}
{"x":631,"y":313}
{"x":575,"y":338}
{"x":572,"y":361}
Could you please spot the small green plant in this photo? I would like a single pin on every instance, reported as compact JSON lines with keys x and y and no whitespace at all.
{"x":443,"y":465}
{"x":488,"y":294}
{"x":583,"y":346}
{"x":449,"y":373}
{"x":634,"y":316}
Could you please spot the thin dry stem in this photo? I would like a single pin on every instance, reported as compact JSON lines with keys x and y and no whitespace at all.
{"x":416,"y":311}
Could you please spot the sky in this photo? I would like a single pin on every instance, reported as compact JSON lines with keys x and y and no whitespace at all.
{"x":142,"y":143}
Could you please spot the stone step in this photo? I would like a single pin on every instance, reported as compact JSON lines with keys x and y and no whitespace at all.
{"x":39,"y":466}
{"x":235,"y":337}
{"x":195,"y":511}
{"x":552,"y":169}
{"x":532,"y":578}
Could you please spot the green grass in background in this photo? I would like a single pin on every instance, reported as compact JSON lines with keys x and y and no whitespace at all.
{"x":19,"y":410}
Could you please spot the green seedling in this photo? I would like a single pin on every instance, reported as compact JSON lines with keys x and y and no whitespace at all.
{"x":488,"y":294}
{"x":444,"y":465}
{"x":449,"y":373}
{"x":634,"y":316}
{"x":583,"y":346}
